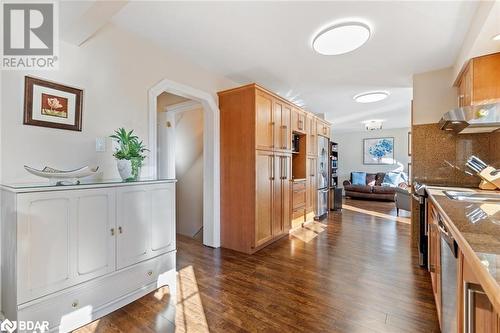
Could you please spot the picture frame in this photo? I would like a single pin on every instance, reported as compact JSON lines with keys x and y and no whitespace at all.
{"x":378,"y":151}
{"x":53,"y":105}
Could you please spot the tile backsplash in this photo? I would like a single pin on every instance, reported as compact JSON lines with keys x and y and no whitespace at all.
{"x":439,"y":157}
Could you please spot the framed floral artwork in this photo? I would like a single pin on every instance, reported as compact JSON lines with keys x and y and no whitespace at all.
{"x":378,"y":151}
{"x":50,"y":104}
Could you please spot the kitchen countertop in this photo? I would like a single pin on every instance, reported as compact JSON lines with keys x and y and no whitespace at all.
{"x":476,"y":228}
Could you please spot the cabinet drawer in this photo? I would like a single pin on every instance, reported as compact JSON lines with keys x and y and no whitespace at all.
{"x":84,"y":303}
{"x":299,"y":199}
{"x":298,"y":217}
{"x":299,"y":186}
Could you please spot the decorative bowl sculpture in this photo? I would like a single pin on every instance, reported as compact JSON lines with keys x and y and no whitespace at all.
{"x":61,"y":177}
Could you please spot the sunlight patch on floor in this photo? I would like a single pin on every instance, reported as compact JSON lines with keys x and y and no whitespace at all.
{"x":377,"y":214}
{"x":190,"y":316}
{"x":309,"y":231}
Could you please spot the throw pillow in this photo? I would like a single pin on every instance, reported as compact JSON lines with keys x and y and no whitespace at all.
{"x":379,"y":179}
{"x":370,"y":179}
{"x":358,"y":178}
{"x":391,"y":179}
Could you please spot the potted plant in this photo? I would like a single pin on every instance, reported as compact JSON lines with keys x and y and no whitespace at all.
{"x":129,"y":155}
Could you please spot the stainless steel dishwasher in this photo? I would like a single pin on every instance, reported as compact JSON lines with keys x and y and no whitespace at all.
{"x":449,"y":255}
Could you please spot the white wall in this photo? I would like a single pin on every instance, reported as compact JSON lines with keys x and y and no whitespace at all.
{"x":433,"y":95}
{"x":116,"y":69}
{"x":351,"y":151}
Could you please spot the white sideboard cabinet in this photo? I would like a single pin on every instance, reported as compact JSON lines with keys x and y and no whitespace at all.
{"x":75,"y":253}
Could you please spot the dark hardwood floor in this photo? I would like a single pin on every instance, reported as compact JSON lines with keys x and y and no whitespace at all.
{"x":357,"y":274}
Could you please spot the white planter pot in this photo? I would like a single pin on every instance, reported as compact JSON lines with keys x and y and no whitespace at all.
{"x":126,"y":171}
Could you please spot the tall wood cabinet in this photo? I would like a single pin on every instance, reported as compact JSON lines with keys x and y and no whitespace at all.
{"x":257,"y":168}
{"x":256,"y":165}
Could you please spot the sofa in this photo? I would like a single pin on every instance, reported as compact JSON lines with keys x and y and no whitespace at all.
{"x":373,"y":187}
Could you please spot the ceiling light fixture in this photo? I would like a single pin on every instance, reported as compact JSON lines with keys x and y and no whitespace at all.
{"x":496,"y":37}
{"x":373,"y":125}
{"x":341,"y":38}
{"x":370,"y":97}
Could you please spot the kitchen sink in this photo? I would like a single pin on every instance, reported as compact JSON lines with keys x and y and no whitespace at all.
{"x":473,"y":196}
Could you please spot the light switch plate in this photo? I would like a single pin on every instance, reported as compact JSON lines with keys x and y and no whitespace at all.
{"x":100,"y":145}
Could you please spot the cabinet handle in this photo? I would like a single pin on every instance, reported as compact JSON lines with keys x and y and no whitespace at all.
{"x":286,"y":167}
{"x":112,"y":231}
{"x":271,"y":162}
{"x":283,"y":168}
{"x":284,"y":132}
{"x":120,"y":230}
{"x":74,"y":305}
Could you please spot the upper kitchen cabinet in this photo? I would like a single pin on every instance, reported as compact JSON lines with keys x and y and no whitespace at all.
{"x":298,"y":120}
{"x":323,"y":128}
{"x":478,"y":82}
{"x":282,"y":113}
{"x":272,"y":122}
{"x":264,"y":124}
{"x":312,"y":131}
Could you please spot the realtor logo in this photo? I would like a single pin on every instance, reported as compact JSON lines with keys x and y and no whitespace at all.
{"x":24,"y":326}
{"x":8,"y":326}
{"x":29,"y":35}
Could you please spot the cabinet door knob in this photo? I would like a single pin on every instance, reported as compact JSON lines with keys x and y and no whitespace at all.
{"x":120,"y":230}
{"x":74,"y":305}
{"x":150,"y":273}
{"x":112,"y":231}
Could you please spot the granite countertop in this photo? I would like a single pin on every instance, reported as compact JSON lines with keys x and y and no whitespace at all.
{"x":476,"y":228}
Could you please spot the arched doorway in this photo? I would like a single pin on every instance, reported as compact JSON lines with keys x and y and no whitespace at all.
{"x":211,"y":166}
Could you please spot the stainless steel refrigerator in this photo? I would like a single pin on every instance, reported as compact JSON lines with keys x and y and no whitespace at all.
{"x":323,"y":182}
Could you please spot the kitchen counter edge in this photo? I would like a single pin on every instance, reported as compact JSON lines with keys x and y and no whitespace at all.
{"x":489,"y":284}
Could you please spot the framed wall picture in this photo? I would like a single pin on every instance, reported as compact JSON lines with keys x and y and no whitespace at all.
{"x":378,"y":151}
{"x":50,"y":104}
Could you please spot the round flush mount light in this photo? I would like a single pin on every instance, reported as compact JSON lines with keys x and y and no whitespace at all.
{"x":341,"y":38}
{"x":496,"y":37}
{"x":370,"y":97}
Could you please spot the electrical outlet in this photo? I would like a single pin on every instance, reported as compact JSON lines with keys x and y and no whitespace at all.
{"x":100,"y":145}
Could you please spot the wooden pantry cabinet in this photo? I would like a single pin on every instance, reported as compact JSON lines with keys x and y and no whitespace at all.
{"x":257,"y":168}
{"x":256,"y":136}
{"x":478,"y":81}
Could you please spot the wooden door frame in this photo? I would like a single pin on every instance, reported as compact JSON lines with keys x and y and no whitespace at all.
{"x":211,"y":151}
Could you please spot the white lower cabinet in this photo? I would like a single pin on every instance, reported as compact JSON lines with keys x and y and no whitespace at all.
{"x":82,"y":253}
{"x":141,"y":232}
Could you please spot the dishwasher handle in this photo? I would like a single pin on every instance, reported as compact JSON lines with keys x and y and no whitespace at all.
{"x":447,"y":237}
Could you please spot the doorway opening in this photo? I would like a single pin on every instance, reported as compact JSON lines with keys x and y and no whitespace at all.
{"x":180,"y":138}
{"x":164,"y":166}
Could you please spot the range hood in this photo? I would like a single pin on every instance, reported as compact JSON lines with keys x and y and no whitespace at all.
{"x":472,"y":119}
